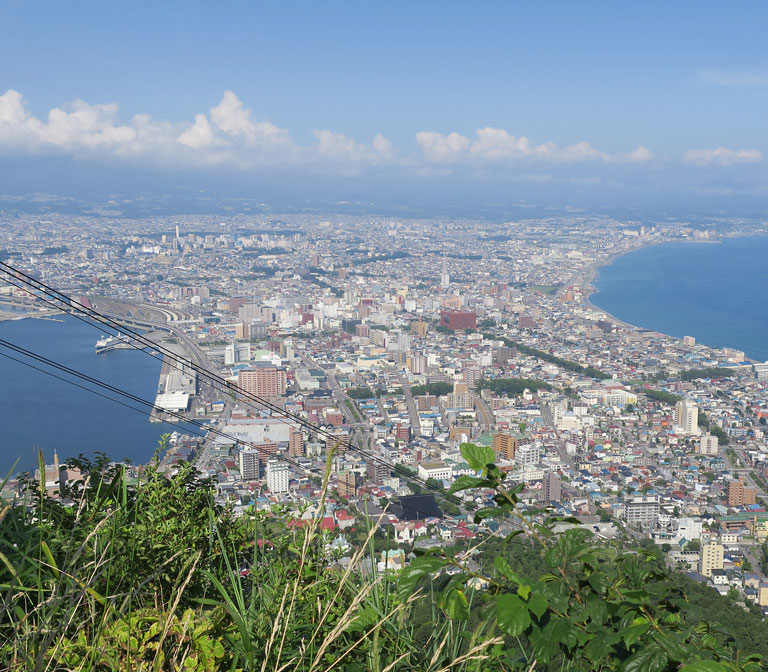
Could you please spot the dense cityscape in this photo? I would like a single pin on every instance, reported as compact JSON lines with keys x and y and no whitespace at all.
{"x":399,"y":340}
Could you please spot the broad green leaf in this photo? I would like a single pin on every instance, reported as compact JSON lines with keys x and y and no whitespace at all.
{"x":465,"y":483}
{"x":634,"y":632}
{"x":501,"y":565}
{"x":364,"y":620}
{"x":512,"y":614}
{"x":477,"y":456}
{"x":524,"y":591}
{"x":647,"y":659}
{"x":705,"y":666}
{"x":455,"y":604}
{"x":417,"y":570}
{"x":537,"y":604}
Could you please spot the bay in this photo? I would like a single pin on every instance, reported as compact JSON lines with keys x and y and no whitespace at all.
{"x":715,"y":292}
{"x":41,"y":412}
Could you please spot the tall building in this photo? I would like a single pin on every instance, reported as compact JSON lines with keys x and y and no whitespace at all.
{"x":472,"y":375}
{"x":377,"y":471}
{"x":505,"y":445}
{"x":552,"y":487}
{"x":642,"y":510}
{"x":295,"y":443}
{"x":711,"y":557}
{"x":687,"y":417}
{"x":277,"y":475}
{"x":528,"y":456}
{"x":263,"y":379}
{"x":445,"y":278}
{"x":249,"y":465}
{"x":708,"y":444}
{"x":347,"y":484}
{"x":739,"y":494}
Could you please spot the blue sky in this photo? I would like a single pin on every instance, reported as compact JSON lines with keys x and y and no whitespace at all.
{"x":629,"y":98}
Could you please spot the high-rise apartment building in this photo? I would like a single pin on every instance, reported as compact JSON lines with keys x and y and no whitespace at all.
{"x":377,"y":471}
{"x":505,"y":445}
{"x":708,"y":444}
{"x":295,"y":443}
{"x":263,"y":379}
{"x":739,"y":494}
{"x":249,"y":465}
{"x":711,"y":557}
{"x":346,"y":484}
{"x":687,"y":417}
{"x":552,"y":487}
{"x":472,"y":375}
{"x":277,"y":475}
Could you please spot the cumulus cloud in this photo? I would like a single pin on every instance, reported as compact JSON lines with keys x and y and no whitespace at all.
{"x":722,"y":156}
{"x":497,"y":144}
{"x":339,"y":147}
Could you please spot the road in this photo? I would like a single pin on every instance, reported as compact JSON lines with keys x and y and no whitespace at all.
{"x":485,"y":415}
{"x":411,"y":404}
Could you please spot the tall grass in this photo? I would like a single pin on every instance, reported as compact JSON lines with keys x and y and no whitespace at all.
{"x":157,"y":577}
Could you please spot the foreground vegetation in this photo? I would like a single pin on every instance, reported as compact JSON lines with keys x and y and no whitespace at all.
{"x":155,"y":576}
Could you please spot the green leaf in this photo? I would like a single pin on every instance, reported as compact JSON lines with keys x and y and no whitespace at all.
{"x":524,"y":591}
{"x":501,"y":565}
{"x":424,"y":566}
{"x":537,"y":604}
{"x":477,"y":457}
{"x":634,"y":632}
{"x":647,"y":659}
{"x":704,"y":666}
{"x":512,"y":614}
{"x":455,"y":604}
{"x":465,"y":483}
{"x":364,"y":620}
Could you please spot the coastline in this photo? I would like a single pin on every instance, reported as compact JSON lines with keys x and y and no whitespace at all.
{"x":588,"y":278}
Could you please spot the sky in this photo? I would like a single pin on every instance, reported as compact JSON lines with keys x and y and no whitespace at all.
{"x":486,"y":101}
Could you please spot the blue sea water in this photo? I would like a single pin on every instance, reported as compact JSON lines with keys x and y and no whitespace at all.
{"x":40,"y":412}
{"x":715,"y":292}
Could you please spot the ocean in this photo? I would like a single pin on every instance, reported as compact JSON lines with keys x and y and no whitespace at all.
{"x":40,"y":412}
{"x":715,"y":292}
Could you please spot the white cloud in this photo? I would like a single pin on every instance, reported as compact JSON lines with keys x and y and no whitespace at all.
{"x":230,"y":117}
{"x":757,"y":76}
{"x":341,"y":148}
{"x":442,"y":148}
{"x":722,"y":156}
{"x":199,"y":135}
{"x":497,"y":144}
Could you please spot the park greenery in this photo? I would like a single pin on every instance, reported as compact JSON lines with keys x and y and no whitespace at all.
{"x":154,"y":575}
{"x":436,"y":389}
{"x":360,"y":393}
{"x":661,"y":396}
{"x":709,"y":372}
{"x":564,"y":364}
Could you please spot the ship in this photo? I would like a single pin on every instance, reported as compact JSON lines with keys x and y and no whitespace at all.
{"x":107,"y":343}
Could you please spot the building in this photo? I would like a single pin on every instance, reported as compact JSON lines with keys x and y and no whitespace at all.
{"x":263,"y":379}
{"x":346,"y":484}
{"x":249,"y":465}
{"x":436,"y":470}
{"x":687,"y":417}
{"x":403,"y":432}
{"x":739,"y":494}
{"x":457,"y":319}
{"x":472,"y":375}
{"x":551,"y":487}
{"x":419,"y":328}
{"x":236,"y":353}
{"x":642,"y":510}
{"x":377,"y":471}
{"x":708,"y":444}
{"x":527,"y":456}
{"x":295,"y":443}
{"x":711,"y":558}
{"x":504,"y":445}
{"x":761,"y":371}
{"x":277,"y":475}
